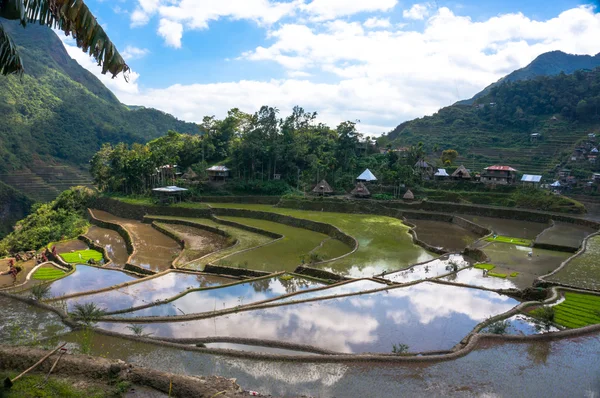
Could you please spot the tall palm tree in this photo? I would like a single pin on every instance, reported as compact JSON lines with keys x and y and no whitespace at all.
{"x":70,"y":16}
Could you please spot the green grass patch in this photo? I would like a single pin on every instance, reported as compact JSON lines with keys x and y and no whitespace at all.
{"x":488,"y":267}
{"x":578,"y":310}
{"x":514,"y":274}
{"x":48,"y":274}
{"x":33,"y":386}
{"x":82,"y":256}
{"x":286,"y":277}
{"x":497,"y":275}
{"x":508,"y":239}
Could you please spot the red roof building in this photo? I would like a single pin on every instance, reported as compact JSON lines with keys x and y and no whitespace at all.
{"x":497,"y":174}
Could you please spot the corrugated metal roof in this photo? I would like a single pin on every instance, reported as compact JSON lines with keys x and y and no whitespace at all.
{"x":218,"y":168}
{"x":531,"y":178}
{"x":366,"y":176}
{"x":441,"y":173}
{"x":500,"y":168}
{"x":170,"y":189}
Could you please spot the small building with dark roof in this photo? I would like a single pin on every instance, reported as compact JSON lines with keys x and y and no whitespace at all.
{"x":461,"y":173}
{"x":361,"y":191}
{"x":218,"y":173}
{"x":323,"y":188}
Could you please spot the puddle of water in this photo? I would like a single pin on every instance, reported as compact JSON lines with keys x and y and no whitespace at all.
{"x":560,"y":368}
{"x":154,"y":250}
{"x":583,"y":270}
{"x":113,"y":242}
{"x":524,"y":325}
{"x":227,"y":297}
{"x":198,"y":242}
{"x":426,"y":317}
{"x":254,"y":348}
{"x":87,"y":278}
{"x":565,"y":234}
{"x":475,"y":277}
{"x":443,"y":234}
{"x":432,"y":269}
{"x":351,"y":287}
{"x":506,"y":227}
{"x":146,"y":292}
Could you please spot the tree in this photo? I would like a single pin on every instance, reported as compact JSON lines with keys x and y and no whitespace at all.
{"x":449,"y":156}
{"x":70,"y":16}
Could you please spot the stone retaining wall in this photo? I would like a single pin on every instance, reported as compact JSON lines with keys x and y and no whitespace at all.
{"x":223,"y":270}
{"x":558,"y":248}
{"x":152,"y":218}
{"x":320,"y":274}
{"x":137,"y":212}
{"x":257,"y":200}
{"x":471,"y":226}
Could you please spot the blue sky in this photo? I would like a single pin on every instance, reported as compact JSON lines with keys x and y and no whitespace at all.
{"x":377,"y":61}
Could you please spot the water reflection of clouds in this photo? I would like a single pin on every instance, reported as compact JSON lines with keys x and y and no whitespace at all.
{"x":425,"y":316}
{"x":474,"y":277}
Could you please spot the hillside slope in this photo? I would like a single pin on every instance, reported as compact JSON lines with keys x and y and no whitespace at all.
{"x":563,"y":109}
{"x":548,"y":64}
{"x":59,"y":114}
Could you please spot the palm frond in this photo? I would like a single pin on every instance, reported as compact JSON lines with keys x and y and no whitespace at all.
{"x":74,"y":18}
{"x":10,"y":61}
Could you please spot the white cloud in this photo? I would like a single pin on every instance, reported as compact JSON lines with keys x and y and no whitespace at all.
{"x":381,"y":77}
{"x":131,"y":52}
{"x":171,"y":31}
{"x":417,"y":11}
{"x":322,"y":10}
{"x":377,"y":23}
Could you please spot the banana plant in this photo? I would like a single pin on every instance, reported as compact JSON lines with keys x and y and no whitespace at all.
{"x":72,"y":17}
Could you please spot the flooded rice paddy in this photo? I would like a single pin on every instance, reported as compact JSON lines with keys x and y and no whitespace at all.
{"x":507,"y":227}
{"x":429,"y":270}
{"x":564,"y":234}
{"x":446,"y":235}
{"x":70,"y":246}
{"x":227,"y":297}
{"x":87,"y":278}
{"x":361,"y":285}
{"x":199,"y":242}
{"x":154,"y":250}
{"x":583,"y":270}
{"x":149,"y":291}
{"x":425,"y":317}
{"x":523,"y":325}
{"x":477,"y":277}
{"x":113,"y":242}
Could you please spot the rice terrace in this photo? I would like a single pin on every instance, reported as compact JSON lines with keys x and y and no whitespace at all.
{"x":173,"y":222}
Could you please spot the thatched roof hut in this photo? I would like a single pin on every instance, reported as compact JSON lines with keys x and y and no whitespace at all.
{"x":189,"y":174}
{"x":408,"y":195}
{"x":361,"y":191}
{"x":461,"y":173}
{"x":323,"y":188}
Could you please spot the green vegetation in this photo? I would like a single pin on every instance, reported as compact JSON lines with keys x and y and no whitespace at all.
{"x":16,"y":206}
{"x":488,"y":267}
{"x":498,"y":327}
{"x":48,"y":274}
{"x":58,"y":220}
{"x":508,"y":239}
{"x":578,"y":310}
{"x":544,"y":313}
{"x":514,"y":274}
{"x":497,"y":275}
{"x":33,"y":386}
{"x":399,"y":349}
{"x":41,"y":291}
{"x":583,"y":270}
{"x":82,"y":256}
{"x":88,"y":313}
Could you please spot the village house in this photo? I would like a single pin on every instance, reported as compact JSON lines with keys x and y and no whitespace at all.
{"x":531,"y":179}
{"x":497,"y":174}
{"x":424,"y":169}
{"x":360,"y":191}
{"x":441,"y":174}
{"x":461,"y":173}
{"x":323,"y":188}
{"x":218,"y":173}
{"x":366,"y":176}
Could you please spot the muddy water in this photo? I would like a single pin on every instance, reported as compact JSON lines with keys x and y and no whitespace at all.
{"x":22,"y":324}
{"x":154,"y":250}
{"x":564,"y":368}
{"x":429,"y":270}
{"x":583,"y":270}
{"x":565,"y":234}
{"x":510,"y":258}
{"x":426,"y":317}
{"x":113,"y":242}
{"x":70,"y":246}
{"x":351,"y":287}
{"x":88,"y":278}
{"x":506,"y":227}
{"x":227,"y":297}
{"x":443,"y":234}
{"x":146,"y":292}
{"x":199,"y":242}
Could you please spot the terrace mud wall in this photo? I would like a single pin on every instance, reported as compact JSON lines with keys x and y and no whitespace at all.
{"x":255,"y":200}
{"x":137,"y":212}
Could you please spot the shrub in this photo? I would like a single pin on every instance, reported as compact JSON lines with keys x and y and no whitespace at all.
{"x":399,"y":349}
{"x":499,"y":327}
{"x":89,"y":313}
{"x":544,"y":313}
{"x":40,"y":292}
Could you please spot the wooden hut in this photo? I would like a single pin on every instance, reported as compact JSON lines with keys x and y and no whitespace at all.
{"x":361,"y":191}
{"x":218,"y":173}
{"x":408,"y":195}
{"x":461,"y":173}
{"x":323,"y":188}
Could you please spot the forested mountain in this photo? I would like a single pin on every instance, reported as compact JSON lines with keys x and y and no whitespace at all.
{"x":497,"y":127}
{"x":61,"y":112}
{"x":548,"y":64}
